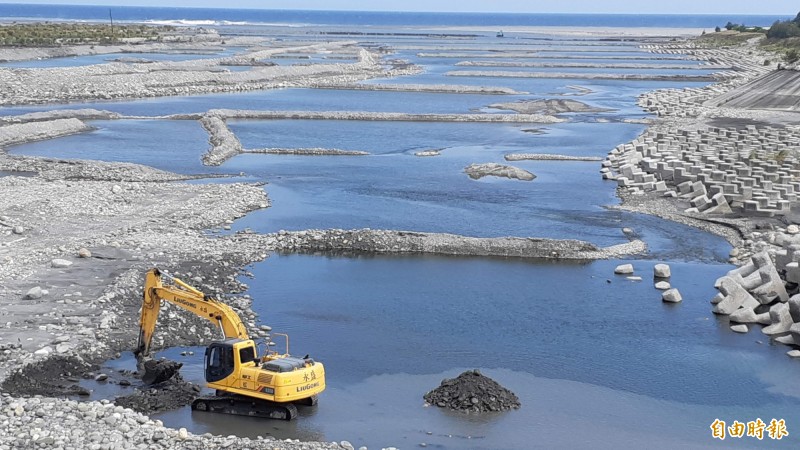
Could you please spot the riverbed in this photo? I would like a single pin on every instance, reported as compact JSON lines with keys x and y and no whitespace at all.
{"x":584,"y":349}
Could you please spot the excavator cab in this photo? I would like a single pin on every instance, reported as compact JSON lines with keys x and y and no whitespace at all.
{"x":219,"y":361}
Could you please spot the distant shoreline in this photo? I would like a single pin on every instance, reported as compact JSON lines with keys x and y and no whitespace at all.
{"x":591,"y":31}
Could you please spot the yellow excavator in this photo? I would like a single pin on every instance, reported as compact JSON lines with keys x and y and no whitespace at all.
{"x":267,"y":386}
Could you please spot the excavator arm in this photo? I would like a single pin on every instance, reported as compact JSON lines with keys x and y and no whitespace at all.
{"x":188,"y":298}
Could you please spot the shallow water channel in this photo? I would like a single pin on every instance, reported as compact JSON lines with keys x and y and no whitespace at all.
{"x":608,"y":359}
{"x":597,"y":360}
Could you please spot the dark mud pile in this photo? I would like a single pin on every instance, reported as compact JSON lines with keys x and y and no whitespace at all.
{"x":167,"y":395}
{"x":472,"y":392}
{"x":57,"y":376}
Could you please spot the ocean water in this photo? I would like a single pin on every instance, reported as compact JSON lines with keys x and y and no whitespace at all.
{"x":597,"y":360}
{"x":219,"y":16}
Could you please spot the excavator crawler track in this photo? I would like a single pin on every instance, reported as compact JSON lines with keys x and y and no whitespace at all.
{"x":243,"y":406}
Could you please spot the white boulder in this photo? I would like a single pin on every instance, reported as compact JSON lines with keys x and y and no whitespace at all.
{"x":662,"y":271}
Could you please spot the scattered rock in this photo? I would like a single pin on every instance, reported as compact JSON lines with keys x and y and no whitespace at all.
{"x":60,"y":263}
{"x":662,"y":271}
{"x":18,"y":230}
{"x":740,"y":328}
{"x":624,"y":269}
{"x":84,"y":253}
{"x":116,"y":189}
{"x":634,"y":278}
{"x":472,"y":392}
{"x":662,"y":285}
{"x":62,"y":348}
{"x":34,"y":293}
{"x":793,"y":229}
{"x":671,"y":296}
{"x":44,"y":351}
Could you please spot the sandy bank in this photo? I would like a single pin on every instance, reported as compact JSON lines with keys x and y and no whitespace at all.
{"x":224,"y":144}
{"x":230,"y":114}
{"x":20,"y":133}
{"x":307,"y":151}
{"x":548,"y":106}
{"x":548,"y":157}
{"x":119,"y":80}
{"x":434,"y":88}
{"x":579,"y":65}
{"x":389,"y":241}
{"x":202,"y":44}
{"x":582,"y":76}
{"x":478,"y":171}
{"x":80,"y":114}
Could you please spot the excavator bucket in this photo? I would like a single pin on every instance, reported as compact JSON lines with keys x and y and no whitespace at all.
{"x":158,"y":371}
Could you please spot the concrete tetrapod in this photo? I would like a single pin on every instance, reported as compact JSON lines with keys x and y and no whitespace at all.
{"x":732,"y":296}
{"x":780,"y":320}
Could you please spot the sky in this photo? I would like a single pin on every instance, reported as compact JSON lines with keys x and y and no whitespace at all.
{"x":742,"y":7}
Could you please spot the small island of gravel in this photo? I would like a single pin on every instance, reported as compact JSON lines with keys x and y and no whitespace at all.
{"x":548,"y":157}
{"x":478,"y":171}
{"x":548,"y":106}
{"x":472,"y":392}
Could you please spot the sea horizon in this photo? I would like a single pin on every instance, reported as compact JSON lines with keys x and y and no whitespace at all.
{"x":182,"y":15}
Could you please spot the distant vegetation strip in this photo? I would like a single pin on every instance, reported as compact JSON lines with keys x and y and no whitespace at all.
{"x":782,"y":37}
{"x":57,"y":34}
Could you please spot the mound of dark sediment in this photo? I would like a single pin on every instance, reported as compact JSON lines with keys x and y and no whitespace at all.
{"x":168,"y":395}
{"x":472,"y":392}
{"x":53,"y":377}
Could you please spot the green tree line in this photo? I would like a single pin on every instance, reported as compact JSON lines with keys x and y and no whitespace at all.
{"x":54,"y":34}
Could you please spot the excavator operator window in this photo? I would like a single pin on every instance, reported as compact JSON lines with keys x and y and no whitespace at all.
{"x":247,"y":354}
{"x":219,"y":361}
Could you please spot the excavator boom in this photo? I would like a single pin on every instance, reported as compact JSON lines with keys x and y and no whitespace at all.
{"x":188,"y":298}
